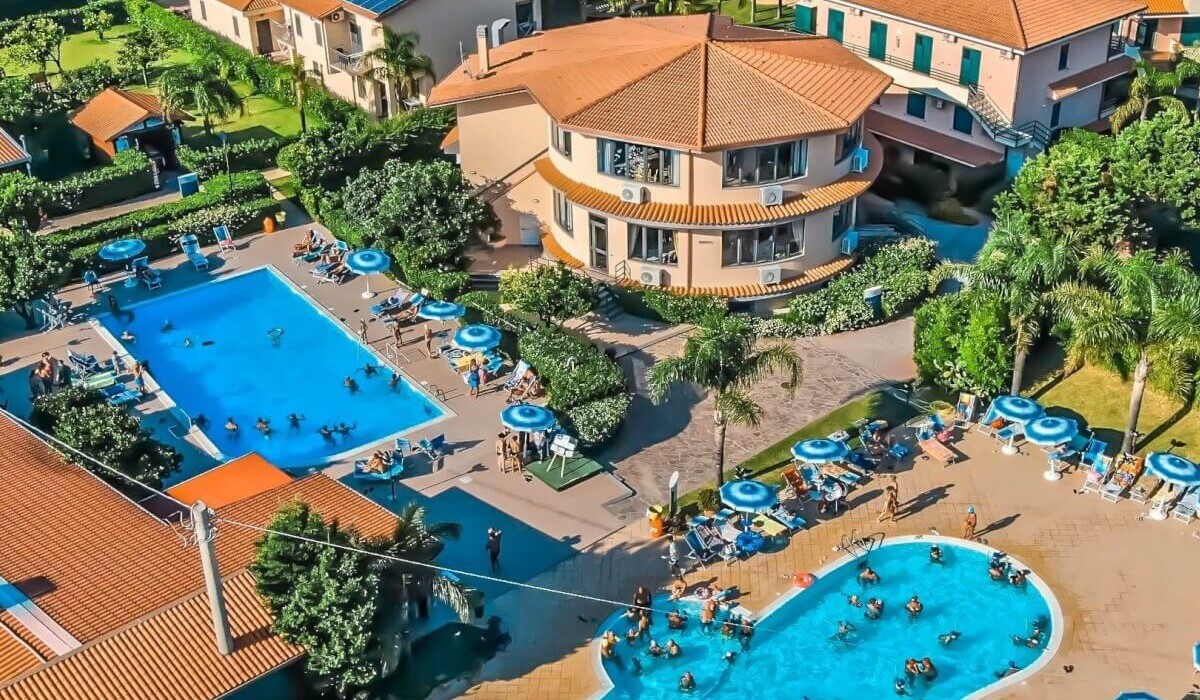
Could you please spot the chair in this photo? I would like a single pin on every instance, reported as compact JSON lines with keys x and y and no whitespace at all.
{"x":402,"y":446}
{"x":1093,"y":452}
{"x":1096,"y":475}
{"x":191,"y":248}
{"x":795,"y":482}
{"x":1011,"y":433}
{"x":787,"y":518}
{"x":84,"y":365}
{"x":120,"y":395}
{"x":140,"y":267}
{"x":1121,"y":482}
{"x":395,"y":301}
{"x":696,"y":549}
{"x":1145,"y":488}
{"x":224,"y":238}
{"x":433,"y":448}
{"x":517,"y":374}
{"x":848,"y":477}
{"x":1185,"y":509}
{"x":899,"y":451}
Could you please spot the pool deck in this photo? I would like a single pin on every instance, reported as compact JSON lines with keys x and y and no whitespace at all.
{"x":466,"y":487}
{"x":1126,"y":586}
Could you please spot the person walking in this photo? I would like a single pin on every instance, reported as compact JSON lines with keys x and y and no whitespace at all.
{"x":493,"y":548}
{"x":501,"y":453}
{"x":362,"y":329}
{"x":672,"y":557}
{"x":969,"y":523}
{"x":428,"y":340}
{"x":891,"y":503}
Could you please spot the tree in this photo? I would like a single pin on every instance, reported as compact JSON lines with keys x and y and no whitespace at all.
{"x":21,"y":200}
{"x":36,"y":40}
{"x":1149,"y":85}
{"x":1158,"y":163}
{"x":199,"y":86}
{"x":139,"y":51}
{"x":552,"y":292}
{"x":83,"y":419}
{"x":398,"y":64}
{"x":302,"y":83}
{"x":722,"y":356}
{"x":30,"y":267}
{"x":97,"y":19}
{"x":1142,"y":318}
{"x":986,"y":348}
{"x":76,"y":87}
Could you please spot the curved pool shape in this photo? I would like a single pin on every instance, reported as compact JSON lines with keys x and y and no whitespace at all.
{"x":795,"y":654}
{"x":259,"y":346}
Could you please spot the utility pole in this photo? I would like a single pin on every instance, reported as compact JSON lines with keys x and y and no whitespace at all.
{"x":205,"y":534}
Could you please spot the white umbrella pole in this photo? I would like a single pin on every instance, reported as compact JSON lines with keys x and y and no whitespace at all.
{"x":368,"y":294}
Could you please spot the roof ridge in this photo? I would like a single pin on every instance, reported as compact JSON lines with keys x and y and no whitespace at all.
{"x":688,"y":48}
{"x":1020,"y":24}
{"x":784,"y":88}
{"x":702,"y":111}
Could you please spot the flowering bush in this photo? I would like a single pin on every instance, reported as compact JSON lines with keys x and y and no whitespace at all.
{"x":677,"y":308}
{"x":573,"y":371}
{"x":596,"y":422}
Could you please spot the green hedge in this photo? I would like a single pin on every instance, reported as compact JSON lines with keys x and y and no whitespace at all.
{"x":252,"y":154}
{"x":596,"y":422}
{"x":71,"y":18}
{"x":128,"y":176}
{"x":677,"y":308}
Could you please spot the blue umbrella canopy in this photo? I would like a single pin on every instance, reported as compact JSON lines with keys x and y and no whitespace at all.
{"x":477,"y":337}
{"x":368,"y":261}
{"x":527,"y":418}
{"x":1173,"y":468}
{"x":441,"y":311}
{"x":820,"y":450}
{"x":1017,"y":409}
{"x":748,"y":496}
{"x":124,"y":249}
{"x":1050,"y":430}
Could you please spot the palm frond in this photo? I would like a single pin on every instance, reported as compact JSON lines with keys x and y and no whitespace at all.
{"x":665,"y":374}
{"x":738,"y":408}
{"x":771,"y":360}
{"x":455,"y":595}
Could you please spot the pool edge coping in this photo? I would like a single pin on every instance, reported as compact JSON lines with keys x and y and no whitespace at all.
{"x":1048,"y":653}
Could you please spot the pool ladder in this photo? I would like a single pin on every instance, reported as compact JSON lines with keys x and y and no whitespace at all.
{"x":856,"y":546}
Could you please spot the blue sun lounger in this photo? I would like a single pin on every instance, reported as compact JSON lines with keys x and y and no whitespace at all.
{"x":119,"y":395}
{"x":434,"y":447}
{"x":786,"y":518}
{"x":392,"y":472}
{"x":698,"y":551}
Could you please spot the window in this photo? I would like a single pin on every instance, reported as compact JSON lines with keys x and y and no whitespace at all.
{"x":237,"y":30}
{"x":317,"y":68}
{"x":561,"y":139}
{"x":836,"y":19}
{"x":806,"y":19}
{"x":762,"y":164}
{"x":843,"y":219}
{"x":968,"y":67}
{"x":297,"y":25}
{"x":203,"y":12}
{"x":922,"y":53}
{"x":634,"y":161}
{"x":849,"y":142}
{"x":962,"y":119}
{"x":1064,"y":56}
{"x":563,"y":214}
{"x":317,"y":34}
{"x":656,"y":245}
{"x":916,"y":105}
{"x":1055,"y":115}
{"x":762,"y":245}
{"x":878,"y":41}
{"x":1189,"y":31}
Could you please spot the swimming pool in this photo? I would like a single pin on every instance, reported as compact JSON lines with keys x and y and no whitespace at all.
{"x":795,"y":652}
{"x":220,"y":359}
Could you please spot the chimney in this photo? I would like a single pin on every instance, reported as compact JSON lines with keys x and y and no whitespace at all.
{"x":202,"y":523}
{"x":481,"y":49}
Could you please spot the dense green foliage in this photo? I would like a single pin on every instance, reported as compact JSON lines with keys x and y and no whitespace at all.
{"x":30,"y":267}
{"x":127,"y":176}
{"x":35,"y":41}
{"x":961,"y":342}
{"x":584,"y":386}
{"x":21,"y":201}
{"x":551,"y":292}
{"x":251,"y":154}
{"x":677,"y":308}
{"x":83,"y":419}
{"x":69,"y":14}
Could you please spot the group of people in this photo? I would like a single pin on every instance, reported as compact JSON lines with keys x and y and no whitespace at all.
{"x":49,"y":374}
{"x":912,"y":670}
{"x":1001,"y":569}
{"x":891,"y":501}
{"x":512,"y":452}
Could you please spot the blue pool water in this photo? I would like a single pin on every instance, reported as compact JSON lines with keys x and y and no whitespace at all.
{"x":234,"y":369}
{"x":794,"y":654}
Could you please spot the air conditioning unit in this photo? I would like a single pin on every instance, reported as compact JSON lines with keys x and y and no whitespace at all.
{"x":337,"y":16}
{"x":633,"y":194}
{"x":860,"y":160}
{"x":950,"y":38}
{"x":856,"y":11}
{"x":650,"y":276}
{"x":849,"y":242}
{"x":1005,"y":54}
{"x":939,"y":103}
{"x":771,"y":196}
{"x":770,"y":275}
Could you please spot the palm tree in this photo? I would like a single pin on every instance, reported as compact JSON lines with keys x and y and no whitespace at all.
{"x":415,"y":539}
{"x":398,"y":64}
{"x":1019,"y":268}
{"x":211,"y":94}
{"x":721,"y":356}
{"x":1144,"y":318}
{"x":1149,"y":85}
{"x":295,"y":72}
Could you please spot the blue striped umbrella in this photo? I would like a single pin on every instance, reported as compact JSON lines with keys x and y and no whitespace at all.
{"x":367,"y":262}
{"x":1017,"y":409}
{"x":1173,"y":468}
{"x":477,"y":338}
{"x":527,"y":418}
{"x":124,"y":249}
{"x":1136,"y":695}
{"x":748,"y":496}
{"x":820,"y":451}
{"x":1050,"y":430}
{"x":441,"y":311}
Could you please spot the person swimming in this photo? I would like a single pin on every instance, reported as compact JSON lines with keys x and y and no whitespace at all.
{"x":201,"y":421}
{"x":900,"y":687}
{"x":928,"y":670}
{"x":394,"y":381}
{"x":343,"y":429}
{"x":676,"y":620}
{"x":654,"y":649}
{"x":1017,"y":577}
{"x":326,"y":433}
{"x":949,"y":636}
{"x":187,"y":342}
{"x":687,"y":682}
{"x":727,"y":629}
{"x":868,"y":576}
{"x":351,"y":385}
{"x":263,"y":426}
{"x":729,"y":656}
{"x":294,"y":420}
{"x":874,"y":609}
{"x":1011,"y":669}
{"x":844,"y":630}
{"x":998,"y":566}
{"x":608,"y":644}
{"x":231,"y":425}
{"x":935,"y":555}
{"x":673,"y":649}
{"x":369,"y":370}
{"x":914,"y":607}
{"x":853,"y":601}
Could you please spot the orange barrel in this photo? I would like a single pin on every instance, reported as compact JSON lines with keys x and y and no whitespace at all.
{"x":657,"y":523}
{"x":269,"y":224}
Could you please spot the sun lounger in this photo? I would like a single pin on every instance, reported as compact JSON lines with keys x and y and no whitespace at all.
{"x":795,"y":483}
{"x":1096,"y":475}
{"x":787,"y":518}
{"x":1121,"y":482}
{"x":83,"y":365}
{"x":224,"y":239}
{"x":120,"y":395}
{"x":190,"y":246}
{"x":697,"y":551}
{"x":395,"y":301}
{"x":847,"y":476}
{"x":99,"y":380}
{"x":1011,"y":433}
{"x":140,"y":267}
{"x":937,"y":451}
{"x":899,"y":451}
{"x":1145,"y":488}
{"x":392,"y":472}
{"x":517,"y":375}
{"x":433,"y":448}
{"x":770,"y":527}
{"x":1187,"y":506}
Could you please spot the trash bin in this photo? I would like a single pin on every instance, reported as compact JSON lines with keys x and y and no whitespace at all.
{"x":655,"y":515}
{"x":874,"y":298}
{"x":189,"y":184}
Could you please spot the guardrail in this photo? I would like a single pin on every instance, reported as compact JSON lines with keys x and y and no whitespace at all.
{"x":353,"y":63}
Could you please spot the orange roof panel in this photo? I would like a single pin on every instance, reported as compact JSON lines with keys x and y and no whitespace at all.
{"x":16,"y":657}
{"x":1165,"y":7}
{"x":113,"y":111}
{"x":231,"y":482}
{"x":314,"y":8}
{"x":11,"y":151}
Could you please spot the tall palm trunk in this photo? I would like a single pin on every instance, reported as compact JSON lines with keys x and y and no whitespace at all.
{"x":1018,"y":373}
{"x":1135,"y":401}
{"x":719,"y":438}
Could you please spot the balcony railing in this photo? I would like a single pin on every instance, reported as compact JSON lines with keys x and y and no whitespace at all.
{"x":1116,"y":46}
{"x":283,"y":34}
{"x":358,"y":63}
{"x":1001,"y":128}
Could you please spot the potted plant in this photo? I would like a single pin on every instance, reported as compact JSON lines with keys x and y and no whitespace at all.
{"x":708,"y":500}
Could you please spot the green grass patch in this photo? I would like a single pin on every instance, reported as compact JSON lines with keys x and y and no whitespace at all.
{"x":264,"y":117}
{"x":83,"y":48}
{"x":767,"y":466}
{"x":1100,"y":401}
{"x":286,"y":185}
{"x":766,"y":14}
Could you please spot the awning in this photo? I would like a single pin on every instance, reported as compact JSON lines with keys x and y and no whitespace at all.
{"x":450,"y":141}
{"x":11,"y":151}
{"x":1090,"y":78}
{"x":935,"y":142}
{"x":231,"y":482}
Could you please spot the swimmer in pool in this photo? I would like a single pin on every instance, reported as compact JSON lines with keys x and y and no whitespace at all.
{"x":914,"y":607}
{"x":187,"y":342}
{"x":673,"y":649}
{"x":326,"y":433}
{"x":687,"y":682}
{"x":844,"y":630}
{"x":263,"y":426}
{"x":350,"y":384}
{"x":369,"y":369}
{"x":394,"y":381}
{"x":231,"y":425}
{"x":854,"y":601}
{"x":935,"y":555}
{"x":949,"y":636}
{"x":294,"y":420}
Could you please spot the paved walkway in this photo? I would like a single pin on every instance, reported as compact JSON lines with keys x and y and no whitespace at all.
{"x":1127,"y":587}
{"x":168,"y":193}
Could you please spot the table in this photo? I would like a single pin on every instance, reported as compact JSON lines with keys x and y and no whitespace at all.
{"x":750,"y":542}
{"x":462,"y":363}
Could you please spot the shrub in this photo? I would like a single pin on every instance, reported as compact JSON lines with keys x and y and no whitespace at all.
{"x":596,"y":422}
{"x":75,"y":87}
{"x":21,"y":200}
{"x":70,"y":18}
{"x":551,"y":292}
{"x":441,"y":284}
{"x":677,"y":308}
{"x":961,"y":342}
{"x":573,"y":371}
{"x":252,"y":154}
{"x":489,"y":310}
{"x":708,"y":499}
{"x":774,"y":328}
{"x":128,"y":176}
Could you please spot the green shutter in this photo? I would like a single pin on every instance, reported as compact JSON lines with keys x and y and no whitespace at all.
{"x":916,"y":105}
{"x":837,"y":25}
{"x":962,"y":119}
{"x":878,"y":48}
{"x":969,"y":70}
{"x":806,"y":19}
{"x":923,"y":54}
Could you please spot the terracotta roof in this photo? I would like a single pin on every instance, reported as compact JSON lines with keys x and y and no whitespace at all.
{"x":11,"y":151}
{"x":917,"y":136}
{"x":250,"y":5}
{"x":450,"y":140}
{"x":113,"y":111}
{"x":169,"y":656}
{"x":1085,"y":79}
{"x":39,"y":647}
{"x":231,"y":482}
{"x":695,"y":82}
{"x":15,"y":656}
{"x":1020,"y":24}
{"x":556,"y":251}
{"x":314,"y":8}
{"x":1166,"y":7}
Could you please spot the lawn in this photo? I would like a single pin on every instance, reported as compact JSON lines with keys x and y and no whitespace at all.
{"x":264,"y":117}
{"x":83,"y":48}
{"x":1101,"y":401}
{"x":767,"y":14}
{"x":767,"y":466}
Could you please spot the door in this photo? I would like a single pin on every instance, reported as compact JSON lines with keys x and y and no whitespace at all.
{"x":1146,"y":30}
{"x":878,"y":48}
{"x":598,"y":231}
{"x":837,"y":25}
{"x":923,"y":54}
{"x":806,"y":19}
{"x":968,"y":73}
{"x":531,"y":230}
{"x":962,"y":120}
{"x":265,"y":43}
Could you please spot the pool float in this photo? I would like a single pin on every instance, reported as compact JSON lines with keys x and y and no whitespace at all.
{"x":703,"y":592}
{"x":803,"y":579}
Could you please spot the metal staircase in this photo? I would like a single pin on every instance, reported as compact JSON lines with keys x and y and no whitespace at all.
{"x":997,"y":125}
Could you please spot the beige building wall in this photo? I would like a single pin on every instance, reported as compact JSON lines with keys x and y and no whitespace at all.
{"x":1039,"y":68}
{"x":939,"y":120}
{"x":440,"y":29}
{"x":232,"y":24}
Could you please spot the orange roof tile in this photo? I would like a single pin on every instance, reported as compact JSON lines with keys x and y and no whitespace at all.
{"x":39,"y":647}
{"x":556,"y":251}
{"x":16,"y":657}
{"x":910,"y":134}
{"x":113,"y":111}
{"x":11,"y":151}
{"x":1020,"y":24}
{"x":715,"y":215}
{"x":695,"y":82}
{"x":450,"y":140}
{"x":231,"y":482}
{"x":1166,"y":7}
{"x":314,"y":8}
{"x":1091,"y":77}
{"x":250,"y":5}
